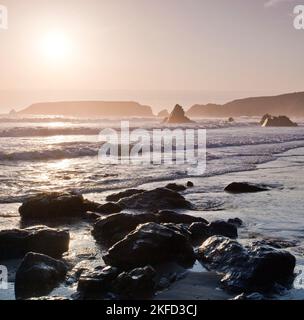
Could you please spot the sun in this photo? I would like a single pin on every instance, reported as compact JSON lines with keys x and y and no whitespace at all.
{"x":56,"y":46}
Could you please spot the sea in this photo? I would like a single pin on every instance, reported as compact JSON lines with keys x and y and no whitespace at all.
{"x":40,"y":154}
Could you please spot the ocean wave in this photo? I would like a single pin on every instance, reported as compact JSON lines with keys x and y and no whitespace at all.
{"x":59,"y":128}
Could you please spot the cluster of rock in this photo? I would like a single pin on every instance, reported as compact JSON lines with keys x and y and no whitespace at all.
{"x":280,"y":121}
{"x":136,"y":245}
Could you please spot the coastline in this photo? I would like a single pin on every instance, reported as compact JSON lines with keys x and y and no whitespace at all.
{"x":262,"y":213}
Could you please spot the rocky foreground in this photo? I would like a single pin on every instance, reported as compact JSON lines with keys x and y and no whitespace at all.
{"x":135,"y":246}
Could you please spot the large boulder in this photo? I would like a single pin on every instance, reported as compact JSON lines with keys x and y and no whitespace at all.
{"x":37,"y":275}
{"x":154,"y":200}
{"x":280,"y":121}
{"x":53,"y":205}
{"x":245,"y":187}
{"x":178,"y":116}
{"x":124,"y":194}
{"x":97,"y":281}
{"x":223,"y":228}
{"x":115,"y":227}
{"x":247,"y":269}
{"x":201,"y":231}
{"x":150,"y":244}
{"x":16,"y":243}
{"x":135,"y":284}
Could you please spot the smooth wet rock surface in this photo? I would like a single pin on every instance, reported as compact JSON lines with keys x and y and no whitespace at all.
{"x":115,"y":227}
{"x":150,"y":244}
{"x":154,"y":200}
{"x":37,"y":275}
{"x":52,"y":206}
{"x":247,"y":269}
{"x":40,"y":239}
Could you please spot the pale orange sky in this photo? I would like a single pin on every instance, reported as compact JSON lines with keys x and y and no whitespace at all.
{"x":219,"y":49}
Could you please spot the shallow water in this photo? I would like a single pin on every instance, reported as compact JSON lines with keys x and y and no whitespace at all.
{"x":238,"y":152}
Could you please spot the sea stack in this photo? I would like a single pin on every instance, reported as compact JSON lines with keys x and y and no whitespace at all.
{"x":280,"y":121}
{"x":178,"y":116}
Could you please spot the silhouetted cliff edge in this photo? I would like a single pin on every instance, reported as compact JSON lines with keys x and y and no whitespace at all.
{"x":291,"y":104}
{"x":90,"y":109}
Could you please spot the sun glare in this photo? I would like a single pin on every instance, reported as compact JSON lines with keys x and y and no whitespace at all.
{"x":56,"y":46}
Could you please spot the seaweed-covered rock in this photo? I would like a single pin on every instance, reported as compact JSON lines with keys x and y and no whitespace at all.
{"x":53,"y":205}
{"x":37,"y":275}
{"x":150,"y":244}
{"x":16,"y":243}
{"x":247,"y":269}
{"x":154,"y":200}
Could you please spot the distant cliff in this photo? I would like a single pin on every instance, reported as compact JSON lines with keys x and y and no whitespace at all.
{"x":89,"y":109}
{"x":287,"y":104}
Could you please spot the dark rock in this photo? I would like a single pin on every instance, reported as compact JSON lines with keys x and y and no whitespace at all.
{"x":175,"y":187}
{"x":108,"y":208}
{"x":150,"y":244}
{"x":136,"y":284}
{"x":124,"y":194}
{"x":223,"y":228}
{"x":245,"y":187}
{"x":230,"y":119}
{"x":115,"y":227}
{"x":280,"y":121}
{"x":82,"y":267}
{"x":250,"y":269}
{"x":236,"y":222}
{"x":199,"y":231}
{"x":181,"y":228}
{"x":166,"y":216}
{"x":190,"y":184}
{"x":154,"y":200}
{"x":202,"y":231}
{"x":37,"y":275}
{"x":53,"y":206}
{"x":277,"y":243}
{"x":264,"y":118}
{"x":17,"y":242}
{"x":97,"y":281}
{"x":178,"y":116}
{"x":91,"y":206}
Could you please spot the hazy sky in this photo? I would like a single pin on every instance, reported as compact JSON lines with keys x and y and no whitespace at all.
{"x":136,"y":47}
